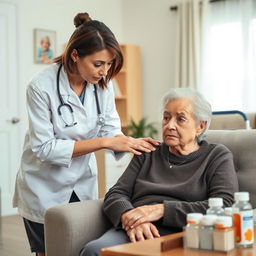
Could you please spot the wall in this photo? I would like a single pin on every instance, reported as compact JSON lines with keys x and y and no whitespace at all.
{"x":54,"y":15}
{"x":151,"y":24}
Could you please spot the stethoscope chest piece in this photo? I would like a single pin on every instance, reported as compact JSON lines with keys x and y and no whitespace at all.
{"x":101,"y":120}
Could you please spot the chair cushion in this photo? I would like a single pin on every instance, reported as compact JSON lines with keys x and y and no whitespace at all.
{"x":242,"y":143}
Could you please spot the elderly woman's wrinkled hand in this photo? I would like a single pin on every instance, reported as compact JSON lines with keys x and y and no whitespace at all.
{"x":142,"y":214}
{"x":142,"y":232}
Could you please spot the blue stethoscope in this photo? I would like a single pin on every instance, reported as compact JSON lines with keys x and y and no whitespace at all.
{"x":100,"y":120}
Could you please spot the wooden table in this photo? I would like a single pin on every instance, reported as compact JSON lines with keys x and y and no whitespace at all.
{"x":153,"y":248}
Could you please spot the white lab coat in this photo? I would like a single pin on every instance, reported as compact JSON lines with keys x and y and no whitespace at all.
{"x":48,"y":174}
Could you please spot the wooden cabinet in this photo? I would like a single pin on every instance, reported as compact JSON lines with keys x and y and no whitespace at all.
{"x":129,"y":105}
{"x":129,"y":102}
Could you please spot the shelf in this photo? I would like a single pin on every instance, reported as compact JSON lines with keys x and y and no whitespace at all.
{"x":128,"y":80}
{"x":120,"y":98}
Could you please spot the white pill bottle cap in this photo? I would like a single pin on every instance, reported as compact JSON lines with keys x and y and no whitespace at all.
{"x":223,"y":222}
{"x":208,"y":220}
{"x":194,"y":218}
{"x":215,"y":202}
{"x":242,"y":196}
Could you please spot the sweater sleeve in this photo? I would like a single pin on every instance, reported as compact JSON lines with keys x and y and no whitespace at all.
{"x":118,"y":199}
{"x":221,"y":181}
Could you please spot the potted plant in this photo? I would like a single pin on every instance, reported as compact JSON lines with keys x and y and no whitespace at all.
{"x":141,"y":129}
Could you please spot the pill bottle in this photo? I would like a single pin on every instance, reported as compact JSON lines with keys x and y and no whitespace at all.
{"x":215,"y":206}
{"x":223,"y":234}
{"x":243,"y":220}
{"x":206,"y":232}
{"x":192,"y":230}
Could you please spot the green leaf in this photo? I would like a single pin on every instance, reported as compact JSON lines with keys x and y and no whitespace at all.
{"x":141,"y":129}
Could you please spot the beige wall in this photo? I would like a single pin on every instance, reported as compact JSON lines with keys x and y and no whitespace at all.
{"x":151,"y":24}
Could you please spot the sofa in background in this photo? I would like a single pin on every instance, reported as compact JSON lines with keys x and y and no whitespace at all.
{"x":69,"y":227}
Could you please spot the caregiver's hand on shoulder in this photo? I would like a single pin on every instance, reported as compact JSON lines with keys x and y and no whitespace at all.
{"x":128,"y":144}
{"x":142,"y":214}
{"x":142,"y":232}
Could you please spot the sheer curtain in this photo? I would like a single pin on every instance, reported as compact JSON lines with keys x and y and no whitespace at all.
{"x":228,"y":78}
{"x":188,"y":42}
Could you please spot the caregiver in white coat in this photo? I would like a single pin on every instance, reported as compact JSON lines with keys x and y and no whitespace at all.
{"x":57,"y":164}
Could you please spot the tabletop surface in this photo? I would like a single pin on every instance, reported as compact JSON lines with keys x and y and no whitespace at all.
{"x":153,"y":248}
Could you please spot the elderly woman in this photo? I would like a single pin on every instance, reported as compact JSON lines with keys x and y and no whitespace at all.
{"x":159,"y":188}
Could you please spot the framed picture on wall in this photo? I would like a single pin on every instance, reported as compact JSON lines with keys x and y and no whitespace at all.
{"x":44,"y":46}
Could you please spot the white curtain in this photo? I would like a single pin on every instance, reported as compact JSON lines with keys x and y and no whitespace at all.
{"x":229,"y":55}
{"x":188,"y":42}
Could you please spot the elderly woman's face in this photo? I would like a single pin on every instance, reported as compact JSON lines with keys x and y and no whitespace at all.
{"x":180,"y":127}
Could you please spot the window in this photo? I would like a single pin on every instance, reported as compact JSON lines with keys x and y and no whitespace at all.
{"x":229,"y":61}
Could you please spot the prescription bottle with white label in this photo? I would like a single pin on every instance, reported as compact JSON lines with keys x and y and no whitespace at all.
{"x":243,"y":220}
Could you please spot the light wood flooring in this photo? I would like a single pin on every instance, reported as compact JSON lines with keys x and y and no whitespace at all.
{"x":13,"y":239}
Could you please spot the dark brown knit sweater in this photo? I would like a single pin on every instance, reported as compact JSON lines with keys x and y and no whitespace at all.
{"x":184,"y":188}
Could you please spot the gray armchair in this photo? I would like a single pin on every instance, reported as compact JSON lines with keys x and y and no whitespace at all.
{"x":69,"y":227}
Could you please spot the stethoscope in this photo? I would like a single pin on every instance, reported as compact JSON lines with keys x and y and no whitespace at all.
{"x":100,"y":120}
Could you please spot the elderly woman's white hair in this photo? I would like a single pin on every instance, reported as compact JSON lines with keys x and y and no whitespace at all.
{"x":201,"y":107}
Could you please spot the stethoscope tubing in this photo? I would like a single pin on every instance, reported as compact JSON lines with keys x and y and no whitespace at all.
{"x":100,"y":121}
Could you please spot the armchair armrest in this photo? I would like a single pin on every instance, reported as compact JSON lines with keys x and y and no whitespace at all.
{"x":69,"y":227}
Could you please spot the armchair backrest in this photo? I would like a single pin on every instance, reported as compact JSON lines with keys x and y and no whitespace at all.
{"x":242,"y":143}
{"x":223,"y":122}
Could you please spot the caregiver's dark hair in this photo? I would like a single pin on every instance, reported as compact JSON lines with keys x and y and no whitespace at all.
{"x":90,"y":37}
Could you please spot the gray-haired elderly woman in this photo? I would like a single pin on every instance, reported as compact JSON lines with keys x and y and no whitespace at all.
{"x":159,"y":188}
